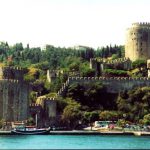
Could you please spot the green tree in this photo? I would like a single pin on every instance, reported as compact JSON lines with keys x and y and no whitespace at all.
{"x":87,"y":72}
{"x":72,"y":113}
{"x":76,"y":91}
{"x":94,"y":95}
{"x":33,"y":96}
{"x":115,"y":72}
{"x":1,"y":123}
{"x":135,"y":103}
{"x":139,"y":64}
{"x":90,"y":117}
{"x":146,"y":119}
{"x":109,"y":115}
{"x":74,"y":67}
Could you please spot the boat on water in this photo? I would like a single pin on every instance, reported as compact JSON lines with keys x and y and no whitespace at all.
{"x":21,"y":128}
{"x":30,"y":130}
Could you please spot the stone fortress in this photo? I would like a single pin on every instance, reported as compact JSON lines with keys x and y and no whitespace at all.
{"x":15,"y":91}
{"x":137,"y":46}
{"x":14,"y":99}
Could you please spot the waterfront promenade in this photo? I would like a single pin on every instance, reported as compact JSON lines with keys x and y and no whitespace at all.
{"x":82,"y":132}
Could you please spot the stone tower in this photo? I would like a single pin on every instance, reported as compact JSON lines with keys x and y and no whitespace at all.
{"x":137,"y":44}
{"x":14,"y":94}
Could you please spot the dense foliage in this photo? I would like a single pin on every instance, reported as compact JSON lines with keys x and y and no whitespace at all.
{"x":115,"y":73}
{"x":92,"y":95}
{"x":135,"y":103}
{"x":53,"y":57}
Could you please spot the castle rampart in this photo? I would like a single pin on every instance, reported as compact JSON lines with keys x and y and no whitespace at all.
{"x":14,"y":94}
{"x":112,"y":84}
{"x":13,"y":100}
{"x":12,"y":73}
{"x":98,"y":64}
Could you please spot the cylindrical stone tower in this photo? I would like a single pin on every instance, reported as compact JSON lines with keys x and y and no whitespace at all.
{"x":137,"y":44}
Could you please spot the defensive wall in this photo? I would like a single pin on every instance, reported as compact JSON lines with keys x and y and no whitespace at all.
{"x":16,"y":73}
{"x":14,"y":93}
{"x":112,"y":84}
{"x":48,"y":106}
{"x":14,"y":100}
{"x":100,"y":64}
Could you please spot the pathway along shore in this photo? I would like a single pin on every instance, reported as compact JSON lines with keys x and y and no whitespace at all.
{"x":82,"y":132}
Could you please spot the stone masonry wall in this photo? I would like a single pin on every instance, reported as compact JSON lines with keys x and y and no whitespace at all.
{"x":14,"y":94}
{"x":113,"y":84}
{"x":13,"y":100}
{"x":16,"y":73}
{"x":99,"y":64}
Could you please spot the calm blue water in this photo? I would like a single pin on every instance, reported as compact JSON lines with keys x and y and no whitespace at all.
{"x":73,"y":142}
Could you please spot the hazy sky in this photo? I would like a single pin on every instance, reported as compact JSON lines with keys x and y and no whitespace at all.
{"x":70,"y":22}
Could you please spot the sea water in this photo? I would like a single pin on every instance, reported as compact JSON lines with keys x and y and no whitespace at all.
{"x":74,"y":142}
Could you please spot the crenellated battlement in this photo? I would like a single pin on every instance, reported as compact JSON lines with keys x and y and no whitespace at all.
{"x":34,"y":105}
{"x":119,"y":60}
{"x":113,"y":84}
{"x":108,"y":79}
{"x":9,"y":81}
{"x":48,"y":104}
{"x":41,"y":99}
{"x":16,"y":73}
{"x":12,"y":73}
{"x":12,"y":68}
{"x":100,"y":64}
{"x":140,"y":24}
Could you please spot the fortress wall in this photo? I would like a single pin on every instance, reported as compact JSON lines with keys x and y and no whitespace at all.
{"x":1,"y":102}
{"x":50,"y":107}
{"x":48,"y":104}
{"x":13,"y":100}
{"x":113,"y":84}
{"x":12,"y":73}
{"x":23,"y":101}
{"x":99,"y":65}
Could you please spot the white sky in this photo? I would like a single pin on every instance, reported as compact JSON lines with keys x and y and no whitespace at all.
{"x":70,"y":22}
